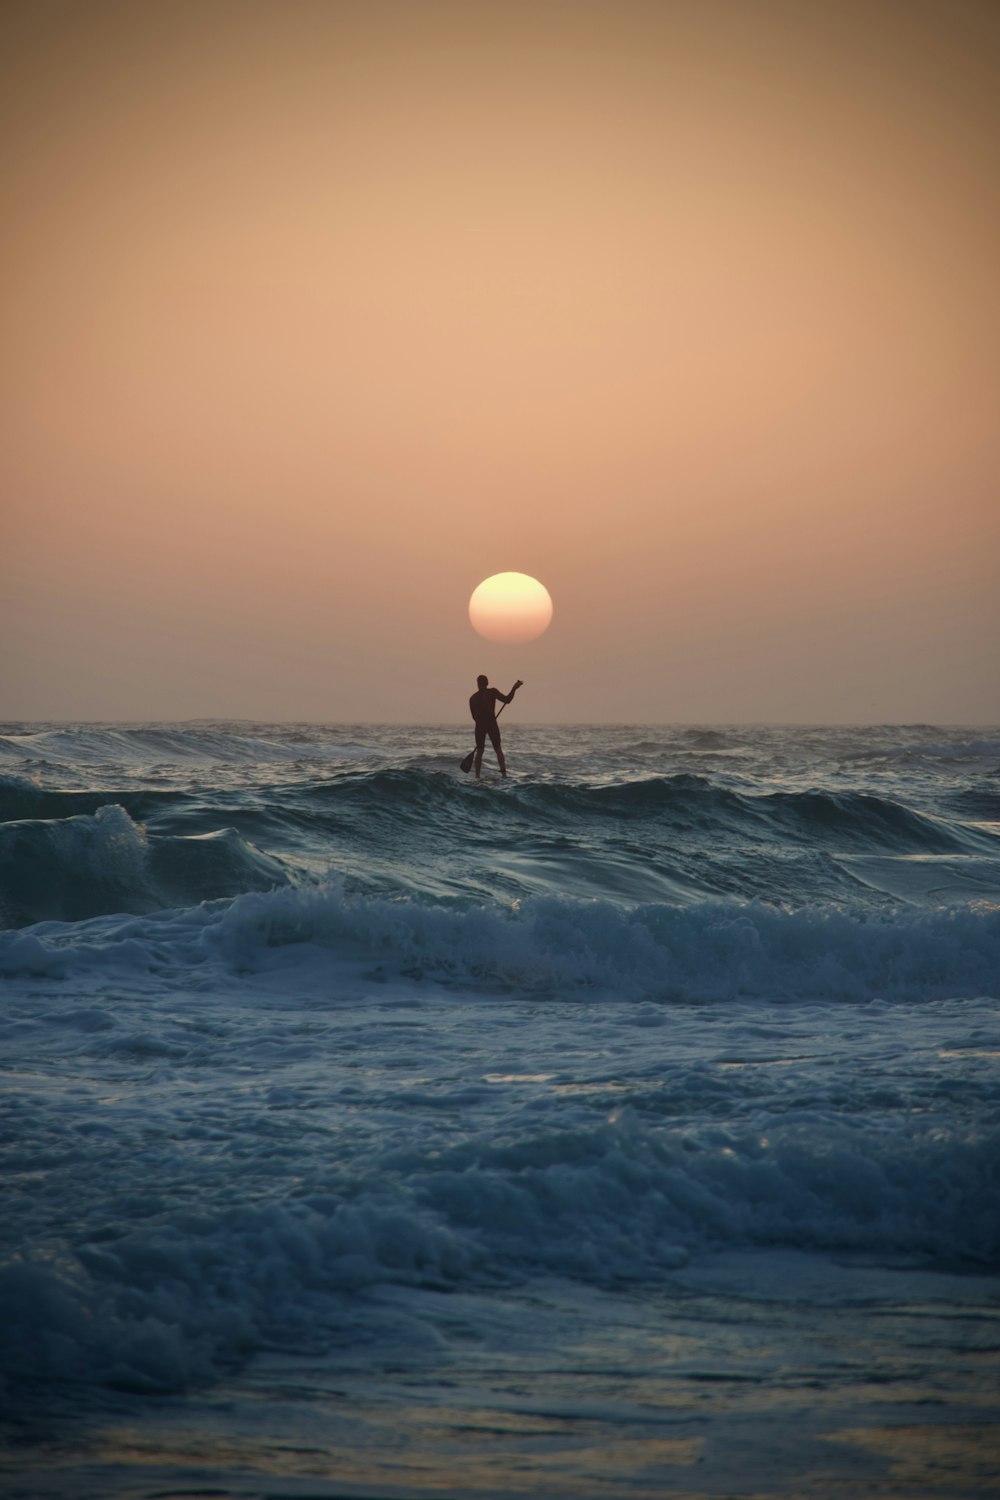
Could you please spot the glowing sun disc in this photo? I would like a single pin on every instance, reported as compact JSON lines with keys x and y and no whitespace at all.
{"x":510,"y":608}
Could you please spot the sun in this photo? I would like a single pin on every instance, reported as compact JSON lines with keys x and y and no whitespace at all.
{"x":510,"y":608}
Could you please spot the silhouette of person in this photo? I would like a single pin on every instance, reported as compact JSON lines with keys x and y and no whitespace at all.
{"x":483,"y":706}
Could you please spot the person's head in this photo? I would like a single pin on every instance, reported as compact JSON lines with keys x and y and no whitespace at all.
{"x":482,"y":681}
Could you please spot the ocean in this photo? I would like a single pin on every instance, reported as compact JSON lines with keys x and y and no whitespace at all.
{"x":628,"y":1128}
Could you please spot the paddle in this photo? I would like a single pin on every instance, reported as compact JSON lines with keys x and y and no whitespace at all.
{"x":466,"y":761}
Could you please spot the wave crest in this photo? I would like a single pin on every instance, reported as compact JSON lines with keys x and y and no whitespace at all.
{"x":718,"y":950}
{"x":189,"y":1293}
{"x":71,"y":869}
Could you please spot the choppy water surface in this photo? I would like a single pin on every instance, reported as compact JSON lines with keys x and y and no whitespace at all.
{"x":626,"y":1128}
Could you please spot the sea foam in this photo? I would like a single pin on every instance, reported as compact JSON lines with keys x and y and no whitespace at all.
{"x":193,"y":1290}
{"x":714,"y":951}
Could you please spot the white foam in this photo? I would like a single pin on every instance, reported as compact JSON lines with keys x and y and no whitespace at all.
{"x":172,"y":1300}
{"x":717,"y":950}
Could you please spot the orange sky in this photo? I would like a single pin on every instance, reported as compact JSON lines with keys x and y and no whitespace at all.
{"x":316,"y":314}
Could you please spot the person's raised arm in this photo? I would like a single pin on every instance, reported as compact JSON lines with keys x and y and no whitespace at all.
{"x":506,"y":697}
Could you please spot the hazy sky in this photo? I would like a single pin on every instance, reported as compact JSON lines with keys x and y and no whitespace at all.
{"x":316,"y":314}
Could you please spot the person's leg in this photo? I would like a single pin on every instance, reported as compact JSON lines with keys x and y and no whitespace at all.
{"x":480,"y":747}
{"x":495,"y":737}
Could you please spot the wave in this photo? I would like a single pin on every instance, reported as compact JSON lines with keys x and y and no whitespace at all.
{"x":682,"y":813}
{"x":958,"y":751}
{"x":22,"y":798}
{"x":708,"y":739}
{"x":190,"y":1292}
{"x":860,"y":819}
{"x":716,"y":950}
{"x":845,"y":818}
{"x":679,"y":838}
{"x":151,"y":745}
{"x":979,"y":803}
{"x":848,"y":819}
{"x":73,"y":868}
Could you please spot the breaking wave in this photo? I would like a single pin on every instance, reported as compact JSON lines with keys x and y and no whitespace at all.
{"x":680,"y":838}
{"x":84,"y":866}
{"x":730,"y":994}
{"x":189,"y":1291}
{"x":712,"y":951}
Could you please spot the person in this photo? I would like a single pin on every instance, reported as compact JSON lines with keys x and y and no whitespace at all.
{"x":483,"y":706}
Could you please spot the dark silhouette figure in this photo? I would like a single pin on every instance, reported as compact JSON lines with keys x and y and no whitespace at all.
{"x":483,"y":707}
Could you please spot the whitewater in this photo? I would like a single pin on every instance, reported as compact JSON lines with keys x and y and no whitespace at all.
{"x":628,"y":1128}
